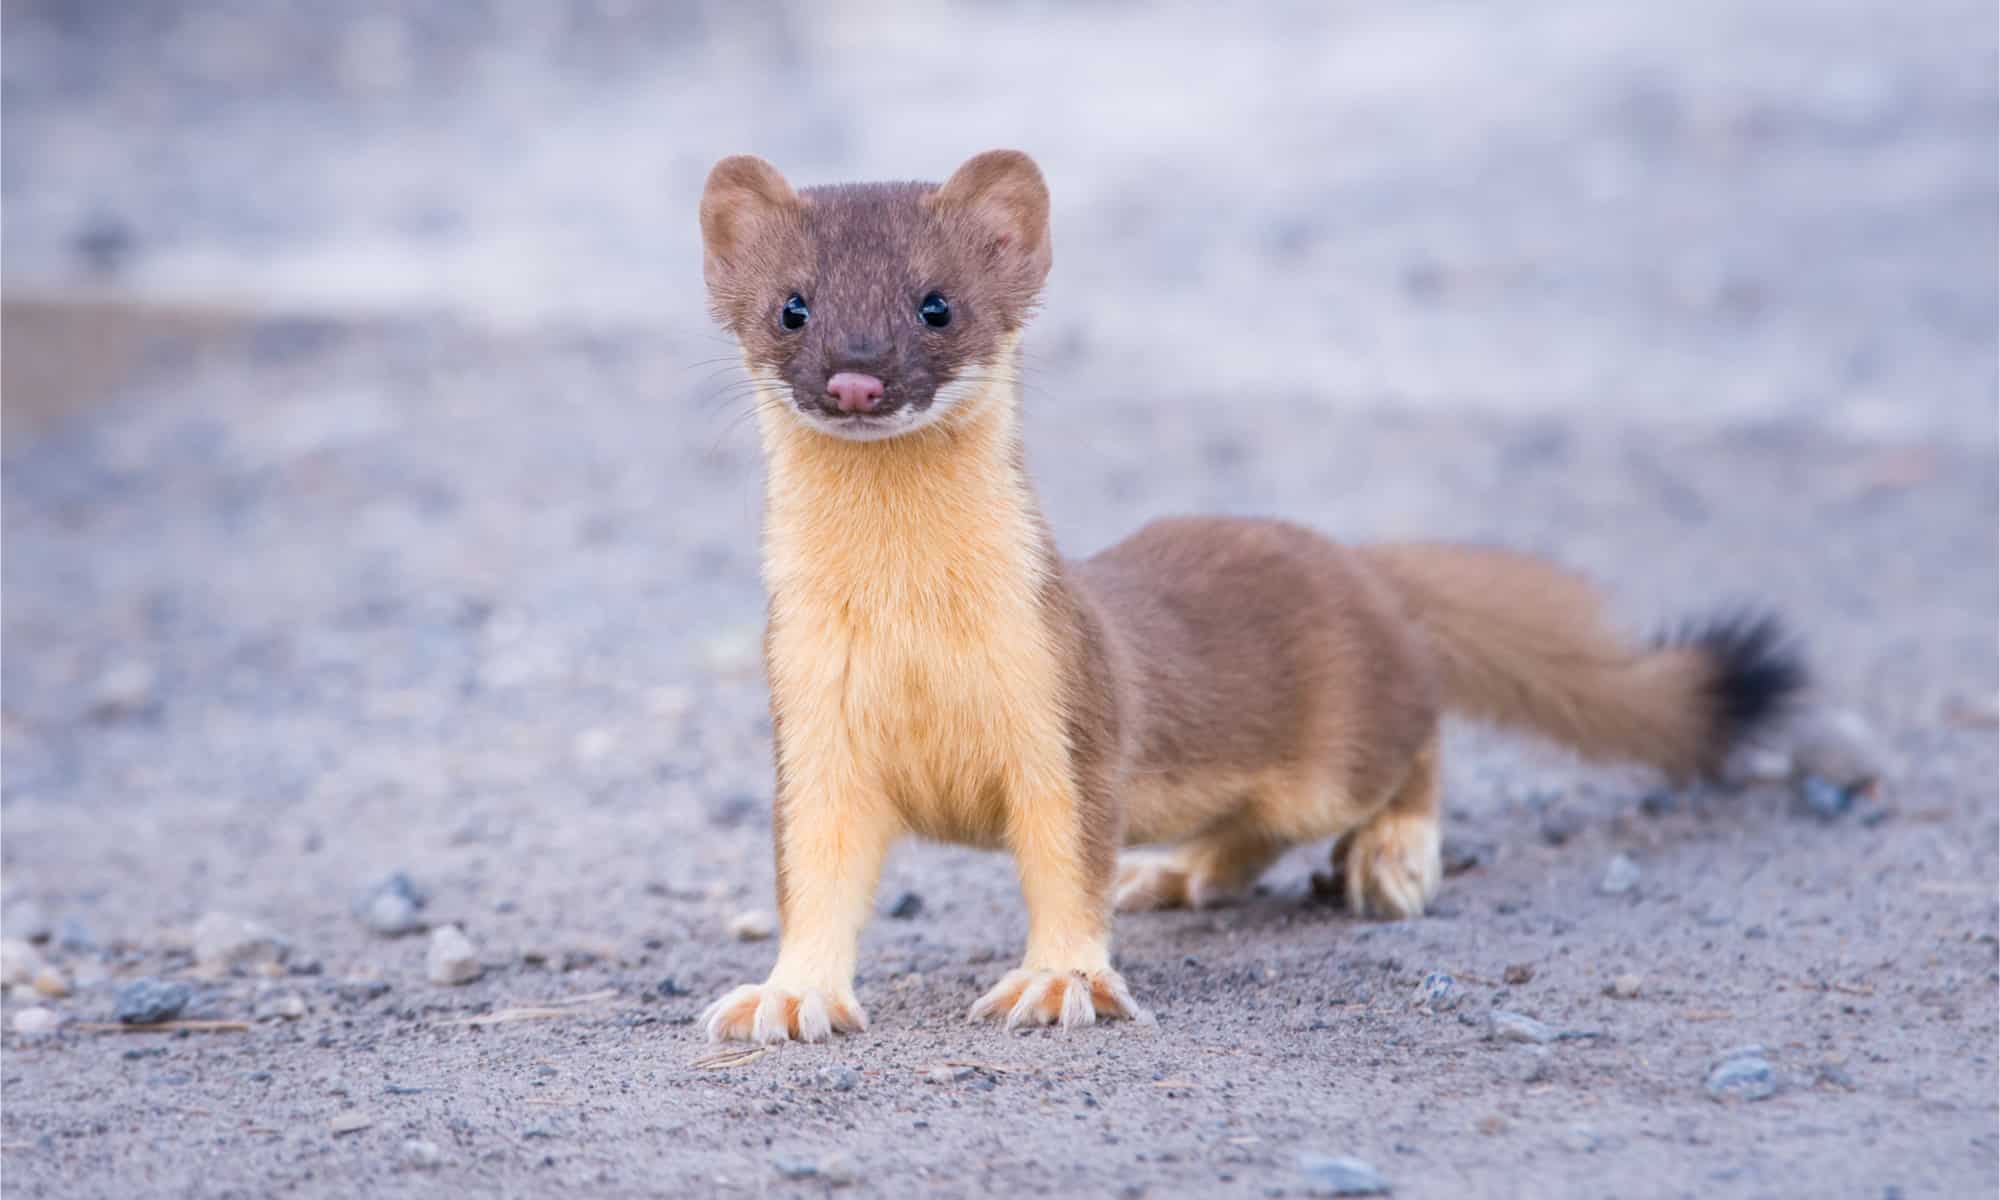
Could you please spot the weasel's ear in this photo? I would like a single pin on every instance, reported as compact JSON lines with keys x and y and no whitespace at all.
{"x":1002,"y":193}
{"x":745,"y":201}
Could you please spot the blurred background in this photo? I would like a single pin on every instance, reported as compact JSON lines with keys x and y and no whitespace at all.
{"x":376,"y":497}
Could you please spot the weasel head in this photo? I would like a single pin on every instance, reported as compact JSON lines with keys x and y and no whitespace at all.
{"x":876,"y":309}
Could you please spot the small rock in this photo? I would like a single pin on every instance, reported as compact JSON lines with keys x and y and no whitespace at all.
{"x":1621,"y":875}
{"x":670,"y":987}
{"x":1839,"y":746}
{"x":1327,"y":1175}
{"x":1832,"y":1075}
{"x":1660,"y":803}
{"x":947,"y":1074}
{"x":390,"y":907}
{"x":1581,"y":1140}
{"x":838,"y":1078}
{"x":1437,"y":992}
{"x":50,"y":982}
{"x":421,"y":1155}
{"x":19,"y":962}
{"x":74,"y":936}
{"x":1624,"y":987}
{"x":286,"y":1006}
{"x":222,"y":940}
{"x":1514,"y":1027}
{"x":33,"y":1022}
{"x":1827,"y":801}
{"x":349,"y":1122}
{"x":125,"y":690}
{"x":149,"y":1001}
{"x":907,"y":907}
{"x":1744,"y":1074}
{"x":1517,"y":973}
{"x":452,"y":958}
{"x":752,"y":926}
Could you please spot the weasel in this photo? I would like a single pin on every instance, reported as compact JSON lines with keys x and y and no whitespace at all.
{"x":1228,"y":687}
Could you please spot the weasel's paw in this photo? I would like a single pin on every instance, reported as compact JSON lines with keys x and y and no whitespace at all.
{"x":1147,"y":885}
{"x":759,"y":1012}
{"x":1392,"y":866}
{"x":1065,"y":998}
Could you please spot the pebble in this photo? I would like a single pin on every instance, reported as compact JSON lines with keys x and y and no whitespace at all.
{"x":1624,"y":987}
{"x":1660,"y":803}
{"x":1437,"y":992}
{"x":838,"y":1078}
{"x":125,"y":690}
{"x":947,"y":1074}
{"x":1517,"y":973}
{"x":452,"y":958}
{"x":224,"y":940}
{"x":1582,"y":1140}
{"x":287,"y":1006}
{"x":1330,"y":1175}
{"x":349,"y":1122}
{"x":36,"y":1021}
{"x":1825,"y":800}
{"x":19,"y":962}
{"x":1533,"y":1064}
{"x":421,"y":1155}
{"x":73,"y":935}
{"x":752,"y":926}
{"x":1839,"y":746}
{"x":1743,"y":1074}
{"x":1621,"y":875}
{"x":1514,"y":1027}
{"x":50,"y":982}
{"x":391,"y":907}
{"x":907,"y":907}
{"x":149,"y":1001}
{"x":836,"y":1170}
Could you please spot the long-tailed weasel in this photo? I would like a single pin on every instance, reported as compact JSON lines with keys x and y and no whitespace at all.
{"x":1229,"y":687}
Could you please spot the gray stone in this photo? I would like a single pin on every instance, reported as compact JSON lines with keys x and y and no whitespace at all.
{"x":127,"y":689}
{"x":1621,"y":875}
{"x":1461,"y":855}
{"x":1559,"y":825}
{"x":1744,"y":1074}
{"x":947,"y":1074}
{"x":420,"y":1155}
{"x":907,"y":907}
{"x":1624,"y":987}
{"x":33,"y":1022}
{"x":1437,"y":992}
{"x":1825,"y":800}
{"x":839,"y":1078}
{"x":452,"y":958}
{"x":1330,"y":1175}
{"x":74,"y":936}
{"x":1507,"y":1026}
{"x":19,"y":962}
{"x":149,"y":1001}
{"x":392,"y":907}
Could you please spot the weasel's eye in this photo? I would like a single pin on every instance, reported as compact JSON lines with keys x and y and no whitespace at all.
{"x":795,"y":312}
{"x":935,"y":310}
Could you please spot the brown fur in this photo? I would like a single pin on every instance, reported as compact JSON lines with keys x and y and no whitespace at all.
{"x":1229,"y":687}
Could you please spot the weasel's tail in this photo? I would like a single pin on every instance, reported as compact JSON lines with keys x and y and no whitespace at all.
{"x":1521,"y":642}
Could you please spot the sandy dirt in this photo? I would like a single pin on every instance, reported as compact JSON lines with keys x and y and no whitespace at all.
{"x":312,"y":576}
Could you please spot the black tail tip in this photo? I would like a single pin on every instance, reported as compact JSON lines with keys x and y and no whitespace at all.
{"x":1759,"y":671}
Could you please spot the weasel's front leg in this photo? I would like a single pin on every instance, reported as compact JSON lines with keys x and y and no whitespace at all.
{"x":832,"y":833}
{"x":1065,"y":978}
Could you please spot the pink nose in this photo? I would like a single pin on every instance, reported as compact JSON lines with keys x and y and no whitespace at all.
{"x":854,"y":392}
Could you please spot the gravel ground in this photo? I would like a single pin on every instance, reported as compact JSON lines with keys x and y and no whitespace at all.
{"x":373,"y":504}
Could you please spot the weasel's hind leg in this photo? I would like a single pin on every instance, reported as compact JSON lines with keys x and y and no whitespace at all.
{"x":1392,"y":864}
{"x":1213,"y":869}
